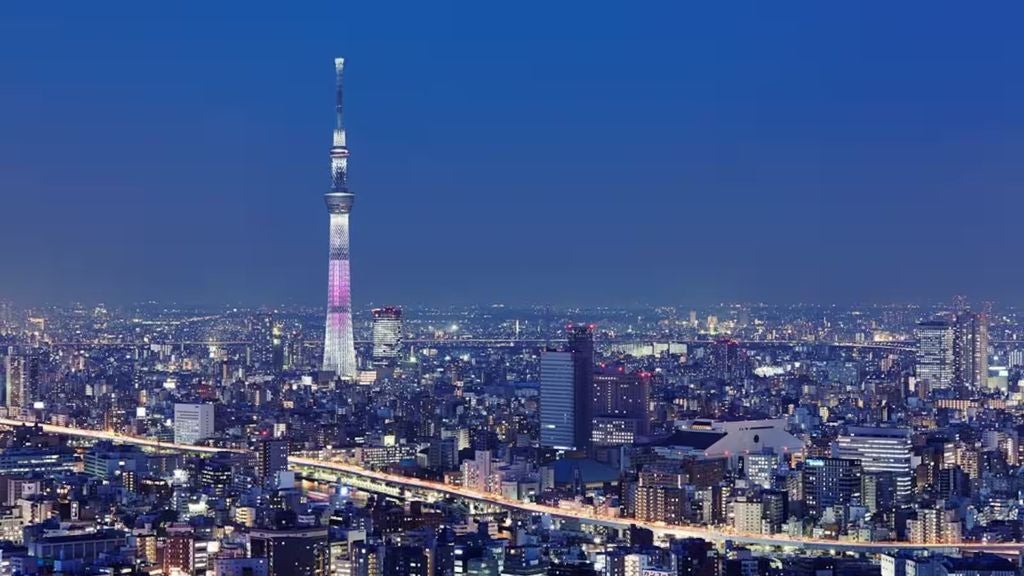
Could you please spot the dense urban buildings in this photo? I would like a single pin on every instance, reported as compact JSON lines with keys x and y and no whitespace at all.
{"x":795,"y":425}
{"x":767,"y":440}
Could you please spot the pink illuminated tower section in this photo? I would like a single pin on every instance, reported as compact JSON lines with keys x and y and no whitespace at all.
{"x":339,"y":347}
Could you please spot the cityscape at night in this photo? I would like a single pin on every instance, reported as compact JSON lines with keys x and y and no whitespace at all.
{"x":606,"y":376}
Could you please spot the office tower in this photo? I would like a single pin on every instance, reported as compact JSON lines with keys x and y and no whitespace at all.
{"x":827,"y":482}
{"x":192,"y":423}
{"x":277,"y":349}
{"x":935,"y":354}
{"x":21,"y":378}
{"x":581,"y":346}
{"x":339,"y":346}
{"x":620,"y":407}
{"x":726,"y":360}
{"x":261,"y":338}
{"x":557,"y":424}
{"x":271,"y":459}
{"x":566,"y":390}
{"x":880,"y":450}
{"x":293,"y":551}
{"x":970,"y":350}
{"x":616,"y":393}
{"x":387,"y":335}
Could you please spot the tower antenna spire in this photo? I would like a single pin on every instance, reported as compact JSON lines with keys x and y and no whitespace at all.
{"x":339,"y":347}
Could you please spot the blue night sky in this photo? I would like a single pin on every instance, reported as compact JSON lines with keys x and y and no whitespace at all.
{"x":520,"y":152}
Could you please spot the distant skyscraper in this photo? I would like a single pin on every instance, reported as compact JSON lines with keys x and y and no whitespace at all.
{"x":581,"y":345}
{"x":339,"y":346}
{"x":566,"y":392}
{"x":192,"y":423}
{"x":21,"y":378}
{"x":970,"y":350}
{"x":935,"y":354}
{"x":557,"y":424}
{"x":387,"y":335}
{"x":261,"y":337}
{"x":6,"y":323}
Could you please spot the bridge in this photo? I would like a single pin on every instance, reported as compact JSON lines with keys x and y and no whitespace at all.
{"x":399,"y":486}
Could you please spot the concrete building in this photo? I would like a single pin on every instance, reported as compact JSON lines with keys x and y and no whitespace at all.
{"x":935,"y":354}
{"x":880,"y":450}
{"x":193,"y":423}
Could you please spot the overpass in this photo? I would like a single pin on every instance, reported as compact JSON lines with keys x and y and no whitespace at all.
{"x":377,"y":481}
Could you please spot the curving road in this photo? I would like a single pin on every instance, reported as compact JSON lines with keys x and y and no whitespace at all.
{"x":715,"y":534}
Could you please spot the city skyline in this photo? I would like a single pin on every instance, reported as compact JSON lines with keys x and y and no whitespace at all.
{"x":640,"y":290}
{"x":739,"y":174}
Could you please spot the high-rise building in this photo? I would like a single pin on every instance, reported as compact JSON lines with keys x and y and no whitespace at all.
{"x":192,"y":423}
{"x":21,"y":378}
{"x":387,"y":335}
{"x":271,"y":458}
{"x":581,"y":345}
{"x":566,"y":392}
{"x":339,"y":346}
{"x":624,"y":395}
{"x":880,"y":450}
{"x":935,"y":354}
{"x":620,"y":407}
{"x":830,"y":481}
{"x":6,"y":318}
{"x":970,"y":350}
{"x":557,"y":424}
{"x":261,"y":336}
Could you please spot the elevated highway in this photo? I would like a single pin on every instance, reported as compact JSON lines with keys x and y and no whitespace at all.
{"x":397,"y":485}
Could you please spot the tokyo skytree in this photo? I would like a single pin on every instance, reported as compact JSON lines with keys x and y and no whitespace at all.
{"x":339,"y":347}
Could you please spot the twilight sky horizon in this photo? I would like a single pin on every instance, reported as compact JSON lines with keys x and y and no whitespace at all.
{"x":537,"y":152}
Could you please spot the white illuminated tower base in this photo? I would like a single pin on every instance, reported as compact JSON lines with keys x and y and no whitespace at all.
{"x":339,"y":346}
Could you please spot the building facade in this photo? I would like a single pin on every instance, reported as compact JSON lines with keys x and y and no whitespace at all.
{"x":193,"y":423}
